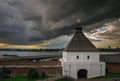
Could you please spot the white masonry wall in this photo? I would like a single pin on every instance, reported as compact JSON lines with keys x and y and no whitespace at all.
{"x":93,"y":69}
{"x":72,"y":62}
{"x":83,"y":56}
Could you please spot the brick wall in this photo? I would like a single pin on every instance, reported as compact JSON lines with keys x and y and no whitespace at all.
{"x":48,"y":70}
{"x":51,"y":67}
{"x":29,"y":63}
{"x":113,"y":68}
{"x":22,"y":66}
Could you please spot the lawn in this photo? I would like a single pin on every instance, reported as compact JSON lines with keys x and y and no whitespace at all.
{"x":22,"y":78}
{"x":65,"y":79}
{"x":109,"y":75}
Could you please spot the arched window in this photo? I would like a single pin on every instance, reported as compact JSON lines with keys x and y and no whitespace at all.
{"x":77,"y":57}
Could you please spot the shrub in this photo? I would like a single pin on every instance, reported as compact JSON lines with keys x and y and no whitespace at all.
{"x":32,"y":73}
{"x":5,"y":73}
{"x":43,"y":75}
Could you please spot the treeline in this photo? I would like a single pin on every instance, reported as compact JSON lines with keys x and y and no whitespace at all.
{"x":109,"y":49}
{"x":32,"y":50}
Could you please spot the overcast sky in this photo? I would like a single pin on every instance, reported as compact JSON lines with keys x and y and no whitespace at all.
{"x":51,"y":23}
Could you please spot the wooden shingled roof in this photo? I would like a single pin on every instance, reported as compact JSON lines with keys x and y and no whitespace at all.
{"x":79,"y":43}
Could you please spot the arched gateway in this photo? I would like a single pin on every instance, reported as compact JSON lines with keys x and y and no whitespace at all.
{"x":82,"y":73}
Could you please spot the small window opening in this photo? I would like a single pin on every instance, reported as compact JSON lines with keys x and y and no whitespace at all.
{"x":88,"y":57}
{"x":77,"y":57}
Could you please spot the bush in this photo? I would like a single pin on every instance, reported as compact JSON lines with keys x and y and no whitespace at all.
{"x":43,"y":75}
{"x":32,"y":74}
{"x":5,"y":73}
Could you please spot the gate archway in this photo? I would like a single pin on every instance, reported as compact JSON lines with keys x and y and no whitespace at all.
{"x":82,"y":73}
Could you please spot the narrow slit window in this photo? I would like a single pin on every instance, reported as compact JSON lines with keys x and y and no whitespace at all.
{"x":77,"y":57}
{"x":88,"y":57}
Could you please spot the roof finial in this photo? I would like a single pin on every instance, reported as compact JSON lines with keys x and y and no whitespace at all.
{"x":78,"y":21}
{"x":78,"y":28}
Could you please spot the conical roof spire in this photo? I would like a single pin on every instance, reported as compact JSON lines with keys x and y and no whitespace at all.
{"x":79,"y":42}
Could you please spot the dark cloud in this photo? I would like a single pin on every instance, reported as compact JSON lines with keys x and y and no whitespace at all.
{"x":90,"y":11}
{"x":47,"y":35}
{"x":36,"y":21}
{"x":12,"y":34}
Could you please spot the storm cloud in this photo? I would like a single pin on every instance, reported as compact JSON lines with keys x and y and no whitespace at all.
{"x":34,"y":21}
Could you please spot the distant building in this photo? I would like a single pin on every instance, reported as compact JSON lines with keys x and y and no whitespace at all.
{"x":81,"y":58}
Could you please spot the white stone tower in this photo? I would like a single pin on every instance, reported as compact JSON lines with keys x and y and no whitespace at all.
{"x":81,"y":58}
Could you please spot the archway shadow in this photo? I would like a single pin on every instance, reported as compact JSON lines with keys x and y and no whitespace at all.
{"x":82,"y":73}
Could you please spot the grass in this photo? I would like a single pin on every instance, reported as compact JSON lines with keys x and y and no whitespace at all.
{"x":109,"y":75}
{"x":65,"y":79}
{"x":23,"y":78}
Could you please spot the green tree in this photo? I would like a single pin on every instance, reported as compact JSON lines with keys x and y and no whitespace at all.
{"x":32,"y":73}
{"x":5,"y":73}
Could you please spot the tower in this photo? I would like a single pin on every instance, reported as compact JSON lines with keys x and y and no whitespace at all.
{"x":80,"y":58}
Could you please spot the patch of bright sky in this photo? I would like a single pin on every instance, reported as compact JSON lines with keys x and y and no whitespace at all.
{"x":93,"y":34}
